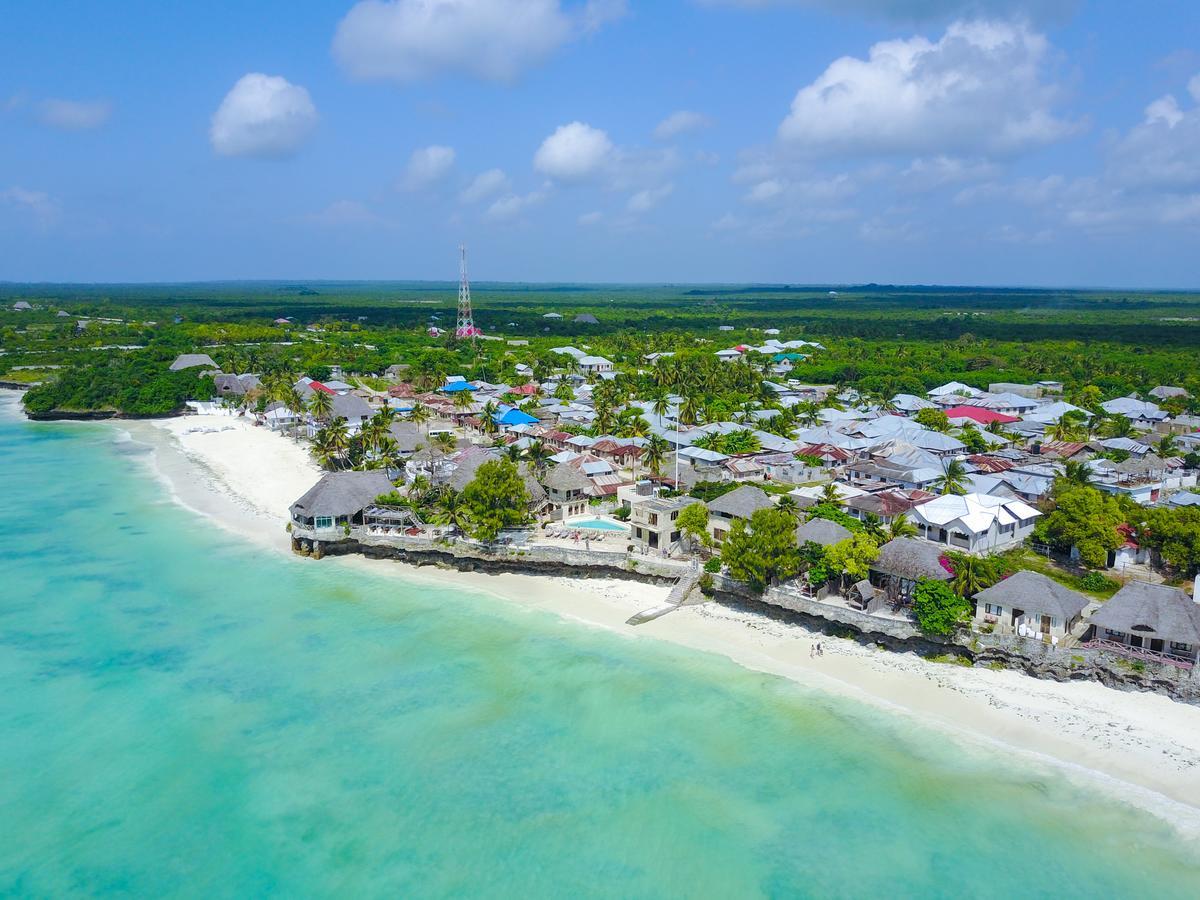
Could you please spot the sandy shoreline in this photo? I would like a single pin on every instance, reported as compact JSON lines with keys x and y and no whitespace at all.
{"x":1146,"y":747}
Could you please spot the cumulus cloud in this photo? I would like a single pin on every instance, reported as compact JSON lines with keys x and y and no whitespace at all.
{"x":646,"y":200}
{"x":427,"y":166}
{"x":919,"y":10}
{"x":411,"y":40}
{"x":574,"y":153}
{"x":1160,"y":152}
{"x":1150,"y":178}
{"x":980,"y":90}
{"x":512,"y":205}
{"x":73,"y":115}
{"x":484,"y":185}
{"x":38,"y":206}
{"x":264,"y":116}
{"x":680,"y":122}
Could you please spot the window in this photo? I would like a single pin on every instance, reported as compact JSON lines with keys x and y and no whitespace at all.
{"x":324,"y":522}
{"x":1180,"y":645}
{"x":1108,"y":632}
{"x":993,"y":609}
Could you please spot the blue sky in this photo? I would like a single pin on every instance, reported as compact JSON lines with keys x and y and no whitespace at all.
{"x":931,"y":141}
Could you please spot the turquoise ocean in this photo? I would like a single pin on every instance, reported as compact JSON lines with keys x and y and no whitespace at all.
{"x":185,"y":715}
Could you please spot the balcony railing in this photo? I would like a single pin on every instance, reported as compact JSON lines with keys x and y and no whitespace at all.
{"x":1141,"y":653}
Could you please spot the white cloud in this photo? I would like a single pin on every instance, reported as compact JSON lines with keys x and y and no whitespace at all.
{"x":645,"y":200}
{"x":484,"y":185}
{"x":264,"y":116}
{"x":427,"y":166}
{"x":591,"y":218}
{"x":1160,"y":152}
{"x":512,"y":205}
{"x":345,"y":213}
{"x":1194,"y":88}
{"x":411,"y":40}
{"x":574,"y":153}
{"x":73,"y":115}
{"x":978,"y":91}
{"x":37,"y":205}
{"x":918,"y":10}
{"x":930,"y":173}
{"x":680,"y":122}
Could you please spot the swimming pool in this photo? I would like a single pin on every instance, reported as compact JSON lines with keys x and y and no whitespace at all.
{"x":598,"y":524}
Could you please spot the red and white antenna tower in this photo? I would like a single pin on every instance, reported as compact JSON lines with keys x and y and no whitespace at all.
{"x":466,"y":321}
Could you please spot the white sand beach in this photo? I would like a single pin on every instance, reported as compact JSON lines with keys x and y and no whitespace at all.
{"x":1143,"y":747}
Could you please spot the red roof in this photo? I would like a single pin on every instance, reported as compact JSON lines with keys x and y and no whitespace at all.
{"x":525,"y":390}
{"x":982,"y":416}
{"x":991,"y":463}
{"x":317,"y":386}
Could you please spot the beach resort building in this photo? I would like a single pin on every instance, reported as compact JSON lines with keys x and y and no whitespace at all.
{"x":653,"y":522}
{"x":336,"y":503}
{"x":1032,"y":604}
{"x":1148,"y":621}
{"x":740,"y":503}
{"x":902,"y":563}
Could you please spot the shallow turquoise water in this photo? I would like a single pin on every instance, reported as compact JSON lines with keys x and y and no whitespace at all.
{"x":182,"y":715}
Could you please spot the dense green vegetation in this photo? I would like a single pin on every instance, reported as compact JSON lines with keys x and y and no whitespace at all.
{"x":137,"y":385}
{"x":883,"y":340}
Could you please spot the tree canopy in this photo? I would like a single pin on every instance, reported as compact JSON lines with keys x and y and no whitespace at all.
{"x":495,"y":499}
{"x":762,"y":549}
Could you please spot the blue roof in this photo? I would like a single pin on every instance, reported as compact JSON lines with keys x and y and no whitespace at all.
{"x":514,"y":417}
{"x":455,"y":386}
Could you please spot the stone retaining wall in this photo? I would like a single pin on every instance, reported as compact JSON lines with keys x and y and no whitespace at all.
{"x":1032,"y":657}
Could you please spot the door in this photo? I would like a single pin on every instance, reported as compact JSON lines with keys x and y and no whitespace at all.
{"x":1045,"y":624}
{"x":1135,"y":640}
{"x":1156,"y":645}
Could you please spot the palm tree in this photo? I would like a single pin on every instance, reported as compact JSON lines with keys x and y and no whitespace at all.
{"x":1077,"y":472}
{"x":463,"y":400}
{"x":873,"y":525}
{"x":656,"y":453}
{"x":661,"y":405}
{"x":954,"y":478}
{"x":537,"y":454}
{"x":324,"y":450}
{"x":788,"y":504}
{"x":564,"y":392}
{"x":689,"y":411}
{"x":1116,"y":427}
{"x":807,"y":414}
{"x":444,"y":441}
{"x":452,"y":512}
{"x":971,"y":575}
{"x":338,"y":435}
{"x":1070,"y":426}
{"x":320,"y":404}
{"x":490,"y":409}
{"x":830,"y":493}
{"x":1167,"y":447}
{"x":900,"y":526}
{"x":419,"y":415}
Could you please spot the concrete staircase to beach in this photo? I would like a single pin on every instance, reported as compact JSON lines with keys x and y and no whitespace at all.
{"x":680,"y":591}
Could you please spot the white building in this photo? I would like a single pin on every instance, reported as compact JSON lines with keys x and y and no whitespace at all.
{"x":976,"y":523}
{"x":598,"y":364}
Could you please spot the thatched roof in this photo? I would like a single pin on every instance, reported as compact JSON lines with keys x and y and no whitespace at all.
{"x":1034,"y":593}
{"x":911,"y":558}
{"x":821,"y":531}
{"x":191,"y":360}
{"x":565,"y":478}
{"x":342,"y":494}
{"x":741,"y":503}
{"x":1151,"y":609}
